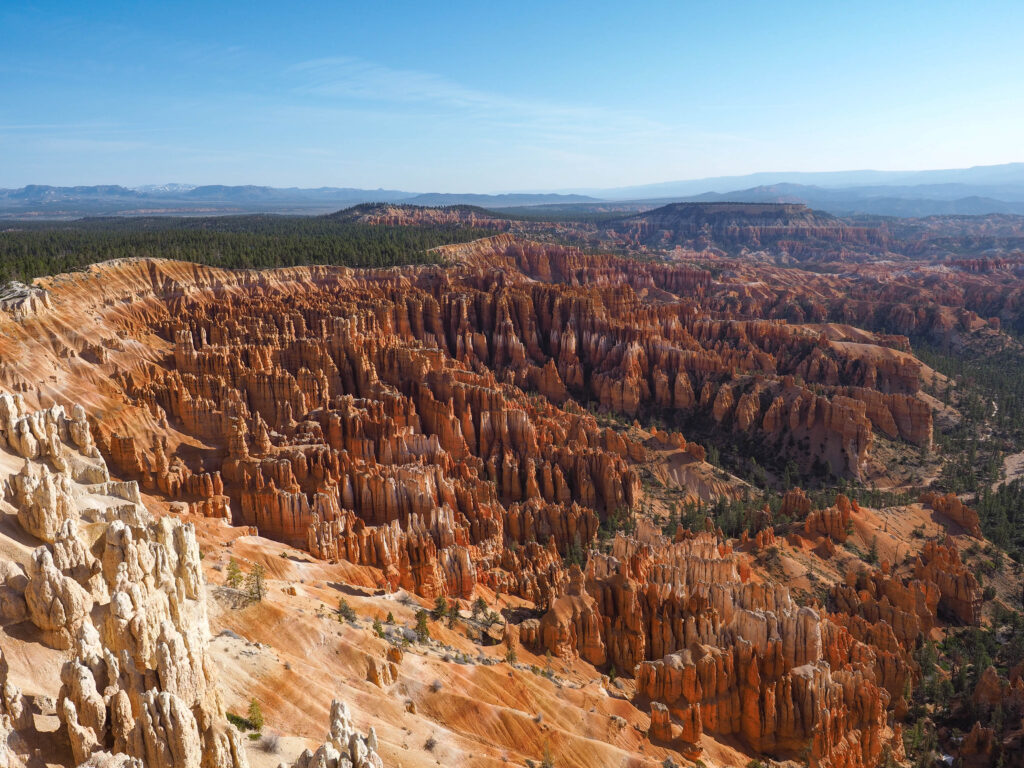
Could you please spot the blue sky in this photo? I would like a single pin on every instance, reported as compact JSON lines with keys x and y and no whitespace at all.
{"x":486,"y":97}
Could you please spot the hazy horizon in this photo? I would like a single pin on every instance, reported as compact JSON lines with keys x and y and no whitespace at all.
{"x":559,"y":190}
{"x":499,"y":99}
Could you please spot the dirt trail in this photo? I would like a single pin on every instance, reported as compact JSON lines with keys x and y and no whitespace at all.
{"x":1013,"y":467}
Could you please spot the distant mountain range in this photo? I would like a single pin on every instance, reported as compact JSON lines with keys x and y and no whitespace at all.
{"x":904,"y":201}
{"x":966,"y":191}
{"x":1008,"y":173}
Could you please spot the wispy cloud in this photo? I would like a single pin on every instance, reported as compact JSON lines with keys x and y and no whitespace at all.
{"x":350,"y":79}
{"x":354,"y":78}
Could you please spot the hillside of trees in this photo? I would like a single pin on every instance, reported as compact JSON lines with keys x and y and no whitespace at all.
{"x":32,"y":249}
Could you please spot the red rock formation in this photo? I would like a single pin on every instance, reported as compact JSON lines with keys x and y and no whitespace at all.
{"x":352,"y":436}
{"x":424,"y":423}
{"x":717,"y":654}
{"x":897,"y":415}
{"x":764,"y":538}
{"x":732,"y":658}
{"x":978,"y":747}
{"x":833,"y":522}
{"x":960,"y":593}
{"x":951,"y":506}
{"x":661,"y":723}
{"x":795,"y":505}
{"x":908,"y":606}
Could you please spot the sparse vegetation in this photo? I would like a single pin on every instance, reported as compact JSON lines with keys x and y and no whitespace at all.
{"x":872,"y":555}
{"x":590,"y":499}
{"x":239,"y":722}
{"x":479,"y":607}
{"x":422,"y":629}
{"x":234,"y":575}
{"x":271,"y":743}
{"x":255,"y":715}
{"x":255,"y":583}
{"x":440,"y":608}
{"x":345,"y":611}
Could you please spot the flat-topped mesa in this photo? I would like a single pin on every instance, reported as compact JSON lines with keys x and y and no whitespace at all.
{"x":126,"y":598}
{"x":397,"y":215}
{"x":783,"y":231}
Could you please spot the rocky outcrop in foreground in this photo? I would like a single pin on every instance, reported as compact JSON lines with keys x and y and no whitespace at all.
{"x":126,"y":599}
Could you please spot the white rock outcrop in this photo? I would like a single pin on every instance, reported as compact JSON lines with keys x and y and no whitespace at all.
{"x":345,"y":746}
{"x":124,"y":592}
{"x":14,"y":716}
